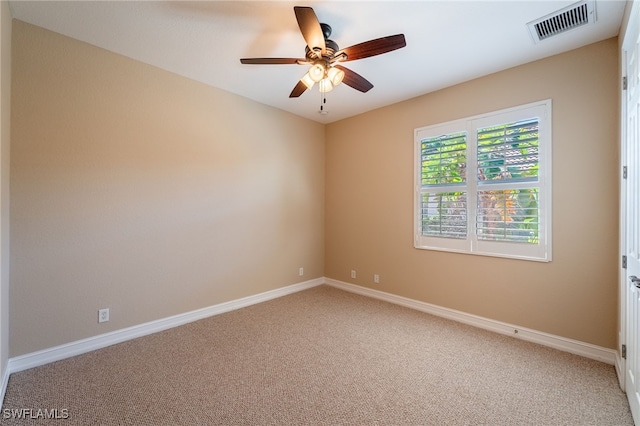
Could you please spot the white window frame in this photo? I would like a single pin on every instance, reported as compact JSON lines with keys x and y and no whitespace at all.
{"x":472,"y":245}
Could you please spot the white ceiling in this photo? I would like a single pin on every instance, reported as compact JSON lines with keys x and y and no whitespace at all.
{"x":448,"y":42}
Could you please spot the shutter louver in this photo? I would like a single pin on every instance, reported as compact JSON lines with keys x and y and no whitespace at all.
{"x":444,"y":214}
{"x":508,"y":215}
{"x":508,"y":155}
{"x":508,"y":152}
{"x":444,"y":159}
{"x":444,"y":165}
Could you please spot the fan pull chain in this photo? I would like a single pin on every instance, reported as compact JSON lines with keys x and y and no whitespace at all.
{"x":323,"y":101}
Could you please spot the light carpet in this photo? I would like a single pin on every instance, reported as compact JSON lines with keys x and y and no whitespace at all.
{"x":322,"y":356}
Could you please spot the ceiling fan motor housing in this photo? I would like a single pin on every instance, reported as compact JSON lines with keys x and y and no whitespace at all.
{"x":326,"y":30}
{"x":331,"y":47}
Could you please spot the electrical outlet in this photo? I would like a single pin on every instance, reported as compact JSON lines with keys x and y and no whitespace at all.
{"x":376,"y":278}
{"x":103,"y":315}
{"x":301,"y":271}
{"x":353,"y":273}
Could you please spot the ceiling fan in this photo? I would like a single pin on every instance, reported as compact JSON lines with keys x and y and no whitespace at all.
{"x":324,"y":56}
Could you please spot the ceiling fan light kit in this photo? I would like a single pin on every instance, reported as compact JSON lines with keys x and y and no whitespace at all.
{"x":335,"y":75}
{"x":320,"y":72}
{"x":324,"y":54}
{"x":325,"y":85}
{"x":316,"y":72}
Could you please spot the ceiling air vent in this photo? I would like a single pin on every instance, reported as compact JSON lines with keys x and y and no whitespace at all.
{"x":563,"y":20}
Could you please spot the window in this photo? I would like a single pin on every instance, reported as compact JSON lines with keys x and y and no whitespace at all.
{"x":483,"y":184}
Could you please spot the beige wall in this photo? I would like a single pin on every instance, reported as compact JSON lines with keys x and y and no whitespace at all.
{"x":369,"y":203}
{"x":153,"y":195}
{"x":5,"y":143}
{"x":147,"y":193}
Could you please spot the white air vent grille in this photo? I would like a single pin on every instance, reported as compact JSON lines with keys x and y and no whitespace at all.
{"x":563,"y":20}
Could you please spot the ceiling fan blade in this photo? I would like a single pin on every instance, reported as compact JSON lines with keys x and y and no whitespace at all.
{"x":270,"y":61}
{"x":310,"y":28}
{"x":355,"y":80}
{"x":374,"y":47}
{"x":298,"y":90}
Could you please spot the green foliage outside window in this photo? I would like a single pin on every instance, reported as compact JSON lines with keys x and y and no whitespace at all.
{"x":505,"y":153}
{"x":508,"y":152}
{"x":444,"y":159}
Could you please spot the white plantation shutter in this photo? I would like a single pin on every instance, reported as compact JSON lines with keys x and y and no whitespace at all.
{"x":443,"y":166}
{"x":444,"y":159}
{"x":483,"y":184}
{"x":507,"y":155}
{"x":508,"y":215}
{"x":444,"y":214}
{"x":508,"y":151}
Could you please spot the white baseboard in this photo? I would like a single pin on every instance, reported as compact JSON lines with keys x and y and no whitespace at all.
{"x":78,"y":347}
{"x":576,"y":347}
